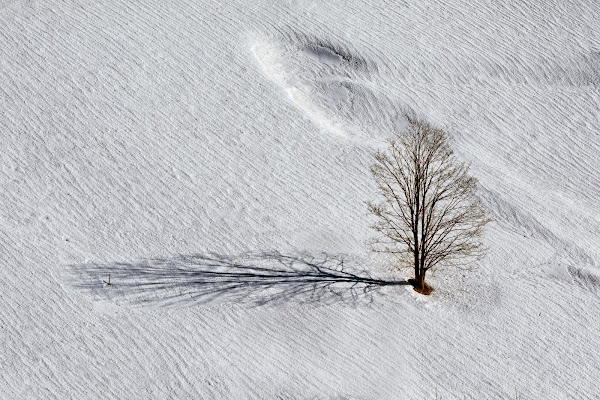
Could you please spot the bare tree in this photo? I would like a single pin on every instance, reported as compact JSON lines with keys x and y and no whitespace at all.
{"x":430,"y":214}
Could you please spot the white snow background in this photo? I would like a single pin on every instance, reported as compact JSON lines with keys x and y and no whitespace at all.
{"x":183,"y":146}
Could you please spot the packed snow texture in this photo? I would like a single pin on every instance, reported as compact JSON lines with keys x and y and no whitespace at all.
{"x":213,"y":158}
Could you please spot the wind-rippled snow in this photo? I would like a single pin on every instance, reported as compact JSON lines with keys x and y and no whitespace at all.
{"x":139,"y":134}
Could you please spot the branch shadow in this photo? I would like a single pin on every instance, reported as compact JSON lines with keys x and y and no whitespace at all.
{"x":257,"y":278}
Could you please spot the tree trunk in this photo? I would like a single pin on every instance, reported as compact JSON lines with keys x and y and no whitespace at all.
{"x":417,"y":267}
{"x":419,"y":284}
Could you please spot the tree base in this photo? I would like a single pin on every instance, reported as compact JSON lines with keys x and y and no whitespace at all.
{"x":423,"y":288}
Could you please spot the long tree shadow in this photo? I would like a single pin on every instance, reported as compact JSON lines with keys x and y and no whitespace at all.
{"x":259,"y":278}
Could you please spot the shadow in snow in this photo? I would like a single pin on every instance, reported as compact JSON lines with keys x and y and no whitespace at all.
{"x":259,"y":278}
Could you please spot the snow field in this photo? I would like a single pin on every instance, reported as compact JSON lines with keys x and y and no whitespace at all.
{"x":155,"y":130}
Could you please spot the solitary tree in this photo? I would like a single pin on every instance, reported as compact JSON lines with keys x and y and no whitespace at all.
{"x":429,"y":214}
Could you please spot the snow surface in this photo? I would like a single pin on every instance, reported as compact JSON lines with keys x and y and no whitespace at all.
{"x":183,"y":146}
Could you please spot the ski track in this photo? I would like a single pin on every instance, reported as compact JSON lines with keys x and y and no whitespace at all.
{"x":156,"y":129}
